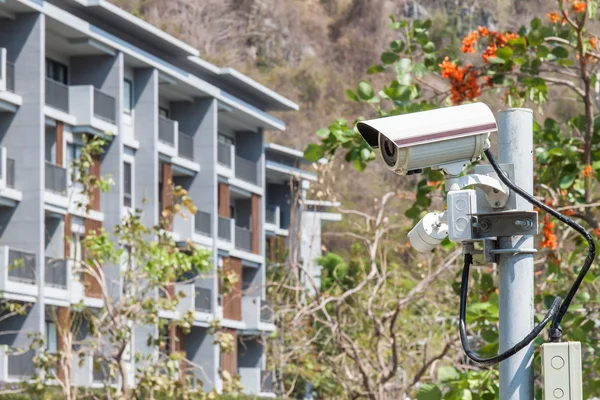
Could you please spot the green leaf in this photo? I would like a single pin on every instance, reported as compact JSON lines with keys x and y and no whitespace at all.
{"x":596,"y":165}
{"x":429,"y":392}
{"x":504,"y":53}
{"x":397,"y":46}
{"x":389,"y":58}
{"x":496,"y":60}
{"x":404,"y":65}
{"x":542,"y":51}
{"x":365,"y":154}
{"x":314,"y":152}
{"x":556,"y":152}
{"x":536,"y":23}
{"x":375,"y":69}
{"x":567,"y":181}
{"x":429,"y":47}
{"x":560,"y":52}
{"x":447,"y":373}
{"x":324,"y":132}
{"x":365,"y":90}
{"x":351,"y":94}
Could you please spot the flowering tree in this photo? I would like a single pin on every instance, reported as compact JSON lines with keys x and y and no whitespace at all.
{"x":548,"y":65}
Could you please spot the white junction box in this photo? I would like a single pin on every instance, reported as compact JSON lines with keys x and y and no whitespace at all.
{"x":461,"y":204}
{"x":561,"y":371}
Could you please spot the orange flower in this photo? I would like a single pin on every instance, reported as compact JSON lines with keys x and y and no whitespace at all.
{"x":488,"y":81}
{"x":489,"y":52}
{"x":434,"y":183}
{"x":597,"y":232}
{"x":483,"y":31}
{"x":570,"y":212}
{"x":468,"y":43}
{"x":553,"y":17}
{"x":593,"y":42}
{"x":587,"y":171}
{"x":579,"y":6}
{"x":549,"y":241}
{"x":448,"y":68}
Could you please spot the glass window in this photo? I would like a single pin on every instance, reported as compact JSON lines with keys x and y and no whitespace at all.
{"x":127,"y":96}
{"x":57,"y":71}
{"x":75,"y":248}
{"x":51,"y":338}
{"x":73,"y":153}
{"x":127,"y":184}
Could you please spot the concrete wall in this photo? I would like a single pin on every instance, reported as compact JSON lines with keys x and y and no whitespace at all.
{"x":145,"y":99}
{"x":23,"y":135}
{"x":201,"y":351}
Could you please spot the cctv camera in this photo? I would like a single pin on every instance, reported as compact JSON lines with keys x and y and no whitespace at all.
{"x":429,"y":232}
{"x":447,"y":138}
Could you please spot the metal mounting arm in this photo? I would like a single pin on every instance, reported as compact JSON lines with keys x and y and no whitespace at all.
{"x":495,"y":191}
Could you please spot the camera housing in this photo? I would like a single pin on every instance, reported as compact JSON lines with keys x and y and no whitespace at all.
{"x":447,"y":138}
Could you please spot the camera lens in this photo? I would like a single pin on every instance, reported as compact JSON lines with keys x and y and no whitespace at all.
{"x":388,"y":151}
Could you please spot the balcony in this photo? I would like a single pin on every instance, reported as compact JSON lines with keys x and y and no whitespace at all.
{"x":273,"y":217}
{"x":224,"y":228}
{"x":105,"y":106}
{"x":266,"y":312}
{"x":185,"y":146}
{"x":21,"y":365}
{"x":93,"y":108}
{"x":56,"y":273}
{"x":203,"y":300}
{"x":266,"y":381}
{"x":7,"y":170}
{"x":167,"y":130}
{"x":7,"y":73}
{"x":57,"y":95}
{"x":18,"y":272}
{"x":225,"y":154}
{"x":247,"y":170}
{"x":21,"y":266}
{"x":256,"y":381}
{"x":56,"y":178}
{"x":243,"y":238}
{"x":202,"y":223}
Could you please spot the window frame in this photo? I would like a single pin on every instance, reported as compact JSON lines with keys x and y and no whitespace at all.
{"x":129,"y":110}
{"x":51,"y":74}
{"x":129,"y":162}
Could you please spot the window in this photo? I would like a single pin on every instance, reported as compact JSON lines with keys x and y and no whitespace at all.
{"x":73,"y":153}
{"x":75,"y":247}
{"x":163,"y":112}
{"x":127,"y":184}
{"x":57,"y":71}
{"x":51,"y":337}
{"x":127,"y":96}
{"x":225,"y":139}
{"x":51,"y":144}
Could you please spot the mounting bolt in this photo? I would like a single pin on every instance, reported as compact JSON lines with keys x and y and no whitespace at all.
{"x":497,"y":204}
{"x":496,"y":191}
{"x":526,"y":224}
{"x":483,"y":225}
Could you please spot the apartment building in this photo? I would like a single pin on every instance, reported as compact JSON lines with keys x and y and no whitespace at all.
{"x":70,"y":68}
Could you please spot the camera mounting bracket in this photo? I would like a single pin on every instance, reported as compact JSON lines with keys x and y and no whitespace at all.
{"x":496,"y":193}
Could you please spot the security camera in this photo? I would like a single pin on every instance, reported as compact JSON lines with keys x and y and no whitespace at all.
{"x":429,"y":232}
{"x":447,"y":138}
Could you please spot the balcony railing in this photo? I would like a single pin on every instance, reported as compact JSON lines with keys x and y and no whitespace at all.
{"x":10,"y":77}
{"x":56,"y":273}
{"x":185,"y":146}
{"x":56,"y":178}
{"x":202,"y":223}
{"x":105,"y":106}
{"x":224,"y":154}
{"x":266,"y":381}
{"x":166,"y":130}
{"x":224,"y":229}
{"x":203,"y":300}
{"x":266,"y":311}
{"x":243,"y":238}
{"x":57,"y":95}
{"x":246,"y":170}
{"x":21,"y":365}
{"x":21,"y":266}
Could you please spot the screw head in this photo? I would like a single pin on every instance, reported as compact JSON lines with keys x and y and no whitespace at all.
{"x":497,"y":204}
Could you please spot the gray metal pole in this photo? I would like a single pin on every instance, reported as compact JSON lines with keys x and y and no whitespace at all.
{"x":515,"y":146}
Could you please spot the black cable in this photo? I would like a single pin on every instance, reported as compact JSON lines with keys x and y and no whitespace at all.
{"x":555,"y":332}
{"x":464,"y":286}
